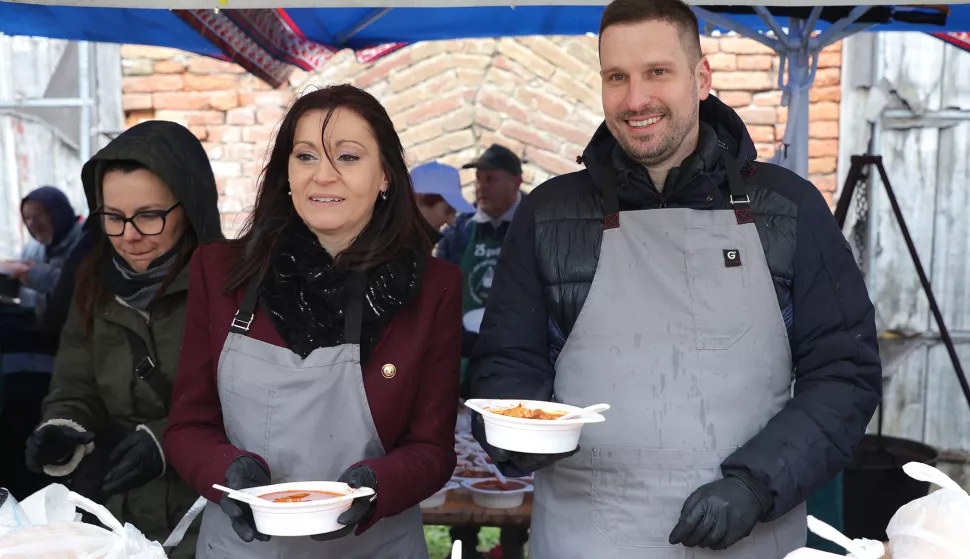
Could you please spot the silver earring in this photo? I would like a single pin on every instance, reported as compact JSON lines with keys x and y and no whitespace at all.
{"x":289,"y":193}
{"x":383,"y":195}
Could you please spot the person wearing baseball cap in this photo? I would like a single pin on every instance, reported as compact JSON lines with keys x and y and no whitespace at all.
{"x":437,"y":191}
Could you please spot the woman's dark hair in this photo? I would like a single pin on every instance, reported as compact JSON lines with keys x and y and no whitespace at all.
{"x":396,"y":224}
{"x":90,"y":293}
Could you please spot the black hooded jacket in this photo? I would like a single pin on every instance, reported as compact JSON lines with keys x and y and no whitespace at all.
{"x":550,"y":256}
{"x":174,"y":154}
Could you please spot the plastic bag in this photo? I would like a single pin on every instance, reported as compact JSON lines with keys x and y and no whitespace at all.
{"x":46,"y":525}
{"x":933,"y":527}
{"x":858,"y":549}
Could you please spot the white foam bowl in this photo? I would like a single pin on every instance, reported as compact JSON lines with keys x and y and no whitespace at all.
{"x":300,"y":519}
{"x":439,"y":498}
{"x":492,"y":499}
{"x":536,"y":436}
{"x":460,"y":480}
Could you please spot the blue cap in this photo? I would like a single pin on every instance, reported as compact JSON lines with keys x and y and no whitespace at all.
{"x":443,"y":180}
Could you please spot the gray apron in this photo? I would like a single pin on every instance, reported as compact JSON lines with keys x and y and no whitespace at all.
{"x":310,"y":420}
{"x":682,"y":335}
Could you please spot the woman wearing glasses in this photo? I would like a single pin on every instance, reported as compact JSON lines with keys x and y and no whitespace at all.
{"x":155,"y":200}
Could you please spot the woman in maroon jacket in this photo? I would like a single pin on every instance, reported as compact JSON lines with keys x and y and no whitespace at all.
{"x":323,"y":344}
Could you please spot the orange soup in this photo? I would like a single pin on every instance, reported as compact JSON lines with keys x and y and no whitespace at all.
{"x":496,"y":485}
{"x":299,"y":496}
{"x":523,"y":412}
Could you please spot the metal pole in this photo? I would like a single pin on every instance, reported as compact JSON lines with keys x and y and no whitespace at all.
{"x":84,"y":93}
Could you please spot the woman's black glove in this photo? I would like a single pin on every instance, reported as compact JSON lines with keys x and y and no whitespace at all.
{"x":54,"y":445}
{"x":244,"y":472}
{"x":137,"y":460}
{"x":719,"y":514}
{"x":356,"y":477}
{"x":514,"y":464}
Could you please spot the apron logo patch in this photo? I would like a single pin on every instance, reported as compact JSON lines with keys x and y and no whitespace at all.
{"x":732,"y":258}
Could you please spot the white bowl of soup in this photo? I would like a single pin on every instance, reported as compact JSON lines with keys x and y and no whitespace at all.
{"x":302,"y":508}
{"x":531,"y":426}
{"x":493,"y":494}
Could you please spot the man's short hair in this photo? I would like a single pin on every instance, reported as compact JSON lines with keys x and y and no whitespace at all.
{"x":674,"y":12}
{"x":429,"y":200}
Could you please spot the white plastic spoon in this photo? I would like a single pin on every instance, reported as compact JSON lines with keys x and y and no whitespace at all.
{"x":589,"y":410}
{"x":240,"y":496}
{"x":498,"y":474}
{"x":823,"y":530}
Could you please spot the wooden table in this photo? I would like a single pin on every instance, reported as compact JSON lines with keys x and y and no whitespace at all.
{"x":459,"y":510}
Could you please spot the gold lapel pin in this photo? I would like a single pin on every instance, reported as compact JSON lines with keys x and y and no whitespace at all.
{"x":388,"y":371}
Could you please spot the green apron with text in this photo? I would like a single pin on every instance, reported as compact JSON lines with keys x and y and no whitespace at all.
{"x":478,"y":269}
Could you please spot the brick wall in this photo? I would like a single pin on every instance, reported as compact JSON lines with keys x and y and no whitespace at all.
{"x":449,"y":99}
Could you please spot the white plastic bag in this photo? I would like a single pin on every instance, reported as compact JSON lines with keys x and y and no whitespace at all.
{"x":858,"y":549}
{"x":933,"y":527}
{"x":46,"y":525}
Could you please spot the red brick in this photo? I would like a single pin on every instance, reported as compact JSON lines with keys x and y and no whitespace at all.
{"x":383,"y":67}
{"x":224,"y":100}
{"x":487,"y":118}
{"x":768,"y":99}
{"x":765,"y":151}
{"x":201,"y":82}
{"x":538,"y":99}
{"x":472,"y":61}
{"x":470,"y":77}
{"x":825,"y":129}
{"x":827,"y":77}
{"x":578,"y":91}
{"x":134,"y":117}
{"x":269,"y":115}
{"x":464,"y":117}
{"x":456,"y":141}
{"x":825,"y":183}
{"x":192,"y":117}
{"x":823,"y":111}
{"x":241,"y":116}
{"x":742,"y":81}
{"x":424,"y":132}
{"x":821,"y":148}
{"x":562,"y":129}
{"x":517,"y":73}
{"x":735,"y":98}
{"x":827,"y":93}
{"x":515,"y":50}
{"x":754,"y":62}
{"x":433,"y":109}
{"x":739,"y":45}
{"x":169,"y":67}
{"x":821,"y":165}
{"x":763,"y":134}
{"x":214,"y":151}
{"x":555,"y":55}
{"x":781,"y":113}
{"x":136,"y":101}
{"x":488,"y":138}
{"x":419,"y":73}
{"x":274,"y":98}
{"x":554,"y":163}
{"x":151,"y":84}
{"x":154,"y":53}
{"x":396,"y":104}
{"x":830,"y":60}
{"x":206,"y":65}
{"x":201,"y":132}
{"x":757,"y":115}
{"x":257,"y":134}
{"x":238,"y":152}
{"x":225,"y":134}
{"x":503,"y":104}
{"x":723,"y":62}
{"x":182,"y":101}
{"x":527,"y":135}
{"x":780,"y":131}
{"x":710,"y":45}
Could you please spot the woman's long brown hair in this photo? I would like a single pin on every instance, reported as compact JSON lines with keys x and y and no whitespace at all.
{"x":396,"y":224}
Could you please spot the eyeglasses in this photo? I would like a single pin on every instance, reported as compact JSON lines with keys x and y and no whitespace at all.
{"x":148,"y":223}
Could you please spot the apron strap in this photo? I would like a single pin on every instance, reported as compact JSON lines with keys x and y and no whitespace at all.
{"x":354,"y":314}
{"x":611,"y":202}
{"x":247,"y":309}
{"x":146,"y":370}
{"x":739,"y":196}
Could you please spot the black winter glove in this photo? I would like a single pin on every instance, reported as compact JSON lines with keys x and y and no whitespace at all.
{"x":54,"y":445}
{"x":356,"y":477}
{"x":718,"y":515}
{"x":244,"y":472}
{"x":514,"y":464}
{"x":137,"y":460}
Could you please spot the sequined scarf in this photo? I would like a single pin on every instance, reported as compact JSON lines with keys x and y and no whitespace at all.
{"x":305,"y":294}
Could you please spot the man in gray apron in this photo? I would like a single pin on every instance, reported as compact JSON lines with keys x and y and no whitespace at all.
{"x":688,"y":287}
{"x":326,"y":409}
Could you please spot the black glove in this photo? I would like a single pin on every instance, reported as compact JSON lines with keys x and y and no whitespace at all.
{"x":244,"y":472}
{"x":356,"y":477}
{"x":137,"y":460}
{"x":54,"y":445}
{"x":719,"y":514}
{"x":514,"y":464}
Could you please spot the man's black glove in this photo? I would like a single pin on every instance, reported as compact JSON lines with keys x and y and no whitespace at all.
{"x":514,"y":464}
{"x":244,"y":472}
{"x":356,"y":477}
{"x":54,"y":445}
{"x":137,"y":460}
{"x":719,"y":514}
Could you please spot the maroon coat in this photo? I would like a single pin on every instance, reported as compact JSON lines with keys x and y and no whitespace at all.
{"x":414,"y":412}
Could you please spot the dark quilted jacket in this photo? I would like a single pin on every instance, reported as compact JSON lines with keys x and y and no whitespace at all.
{"x":550,"y":257}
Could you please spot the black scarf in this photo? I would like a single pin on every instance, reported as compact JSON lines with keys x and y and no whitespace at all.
{"x":305,"y":295}
{"x":138,"y":289}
